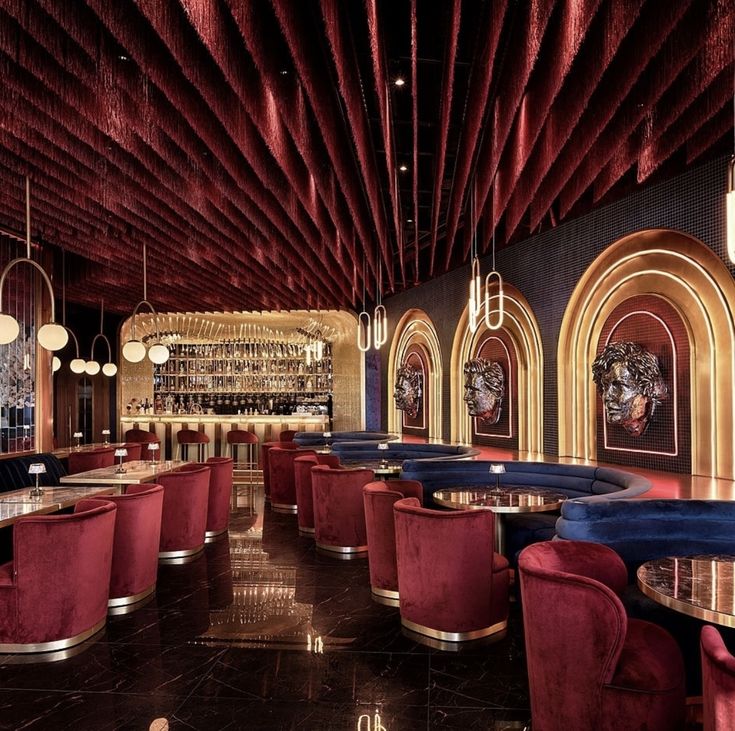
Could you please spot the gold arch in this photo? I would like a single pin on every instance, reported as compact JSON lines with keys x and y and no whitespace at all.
{"x":416,"y":328}
{"x":521,"y":326}
{"x":695,"y":281}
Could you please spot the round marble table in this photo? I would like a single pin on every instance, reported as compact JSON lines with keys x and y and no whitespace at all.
{"x":382,"y":468}
{"x":501,"y":500}
{"x":700,"y":586}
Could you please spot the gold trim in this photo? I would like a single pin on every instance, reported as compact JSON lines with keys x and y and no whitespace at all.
{"x":212,"y":536}
{"x":708,"y":615}
{"x":309,"y":532}
{"x":346,"y":553}
{"x":131,"y":598}
{"x":284,"y":508}
{"x":180,"y":554}
{"x":130,"y":608}
{"x":56,"y":644}
{"x":437,"y":634}
{"x":384,"y":600}
{"x":386,"y":593}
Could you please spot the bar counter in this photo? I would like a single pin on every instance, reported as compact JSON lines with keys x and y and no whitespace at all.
{"x":265,"y":427}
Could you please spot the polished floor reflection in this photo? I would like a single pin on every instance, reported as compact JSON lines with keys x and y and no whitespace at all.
{"x":261,"y":632}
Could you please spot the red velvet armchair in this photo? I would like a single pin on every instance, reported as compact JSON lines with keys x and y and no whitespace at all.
{"x":453,"y":586}
{"x":282,"y":478}
{"x":184,"y":518}
{"x":718,"y":682}
{"x":589,"y":666}
{"x":379,"y":498}
{"x":141,"y":435}
{"x":286,"y":435}
{"x":53,"y":594}
{"x":220,"y":494}
{"x":91,"y":459}
{"x":304,"y":495}
{"x":135,"y":451}
{"x":339,"y":512}
{"x":264,"y":449}
{"x":135,"y":550}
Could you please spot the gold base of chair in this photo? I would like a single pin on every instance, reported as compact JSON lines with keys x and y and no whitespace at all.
{"x":212,"y":536}
{"x":386,"y":597}
{"x":11,"y":647}
{"x":180,"y":557}
{"x":345,"y":553}
{"x":442,"y":636}
{"x":284,"y":508}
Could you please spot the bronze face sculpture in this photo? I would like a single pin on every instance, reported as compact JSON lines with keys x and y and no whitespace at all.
{"x":629,"y":380}
{"x":484,"y":388}
{"x":407,"y":392}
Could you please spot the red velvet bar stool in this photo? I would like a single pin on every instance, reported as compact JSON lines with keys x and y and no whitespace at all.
{"x":247,"y":439}
{"x":379,"y":498}
{"x":220,"y":490}
{"x":304,"y":495}
{"x":91,"y":459}
{"x":188,"y":437}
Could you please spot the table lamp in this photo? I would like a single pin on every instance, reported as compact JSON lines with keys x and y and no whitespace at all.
{"x":78,"y":436}
{"x":383,"y":445}
{"x":153,"y":447}
{"x":121,"y":453}
{"x":327,"y":436}
{"x":497,"y":470}
{"x":106,"y":436}
{"x":37,"y":468}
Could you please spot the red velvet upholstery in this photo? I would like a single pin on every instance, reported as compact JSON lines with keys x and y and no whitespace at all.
{"x":718,"y":682}
{"x":241,"y":436}
{"x":282,"y":478}
{"x":220,"y":494}
{"x":249,"y":440}
{"x":135,"y":451}
{"x":379,"y":498}
{"x":56,"y":587}
{"x":453,"y":586}
{"x":141,"y":435}
{"x":286,"y":435}
{"x":339,"y":512}
{"x":187,"y":437}
{"x":184,"y":520}
{"x":91,"y":459}
{"x":264,"y":448}
{"x":304,"y":495}
{"x":589,"y":666}
{"x":135,"y":550}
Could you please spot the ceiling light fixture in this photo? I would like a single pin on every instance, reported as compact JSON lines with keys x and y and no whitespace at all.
{"x":400,"y":81}
{"x":363,"y":319}
{"x":403,"y":168}
{"x":494,"y":274}
{"x":474,"y":304}
{"x":380,"y":316}
{"x":50,"y":336}
{"x":76,"y":364}
{"x":93,"y":367}
{"x":134,"y":350}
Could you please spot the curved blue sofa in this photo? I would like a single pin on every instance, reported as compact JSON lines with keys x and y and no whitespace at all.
{"x":348,"y":451}
{"x":588,"y":484}
{"x":317,"y":438}
{"x":14,"y":471}
{"x":641,"y":530}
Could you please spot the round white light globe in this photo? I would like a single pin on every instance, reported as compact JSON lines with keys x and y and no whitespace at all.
{"x":55,"y":364}
{"x":77,"y":365}
{"x":158,"y":353}
{"x":109,"y":369}
{"x":52,"y":336}
{"x":9,"y":329}
{"x":92,"y":367}
{"x":133,"y":351}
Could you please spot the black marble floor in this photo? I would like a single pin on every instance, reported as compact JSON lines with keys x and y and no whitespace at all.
{"x":262,"y":632}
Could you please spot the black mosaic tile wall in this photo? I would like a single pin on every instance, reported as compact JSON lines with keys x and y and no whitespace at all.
{"x":546,"y":268}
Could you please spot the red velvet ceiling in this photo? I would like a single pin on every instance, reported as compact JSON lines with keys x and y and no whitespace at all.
{"x":256,"y":146}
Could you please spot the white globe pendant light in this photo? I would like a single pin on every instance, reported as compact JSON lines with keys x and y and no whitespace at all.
{"x":109,"y":369}
{"x":52,"y":336}
{"x":92,"y":368}
{"x":158,"y":353}
{"x":77,"y":365}
{"x":133,"y":351}
{"x":55,"y":364}
{"x":9,"y":329}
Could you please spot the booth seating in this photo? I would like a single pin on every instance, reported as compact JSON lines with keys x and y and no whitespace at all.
{"x":453,"y":586}
{"x":184,"y":517}
{"x":302,"y":465}
{"x":91,"y":459}
{"x":718,"y":682}
{"x":220,"y":493}
{"x":317,"y":438}
{"x":379,"y":498}
{"x":135,"y":451}
{"x":349,"y":451}
{"x":589,"y":665}
{"x":589,"y":484}
{"x":53,"y":594}
{"x":14,"y":471}
{"x":641,"y":530}
{"x":135,"y":548}
{"x":264,"y":448}
{"x":339,"y":511}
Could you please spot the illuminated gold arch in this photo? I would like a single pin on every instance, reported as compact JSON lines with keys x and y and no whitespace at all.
{"x":521,"y":326}
{"x":688,"y":275}
{"x":416,"y":328}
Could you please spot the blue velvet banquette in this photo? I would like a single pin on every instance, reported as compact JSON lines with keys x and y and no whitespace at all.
{"x":317,"y":438}
{"x":14,"y":471}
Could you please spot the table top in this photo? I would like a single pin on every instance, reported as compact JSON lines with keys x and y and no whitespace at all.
{"x":63,"y":452}
{"x":136,"y":472}
{"x":505,"y":499}
{"x":700,"y":586}
{"x":381,"y":467}
{"x":18,"y":503}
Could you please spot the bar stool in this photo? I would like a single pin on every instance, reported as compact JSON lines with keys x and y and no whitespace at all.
{"x":187,"y":437}
{"x":237,"y":437}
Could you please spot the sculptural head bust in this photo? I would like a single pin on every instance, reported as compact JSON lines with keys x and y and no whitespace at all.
{"x":484,"y":388}
{"x":408,"y":390}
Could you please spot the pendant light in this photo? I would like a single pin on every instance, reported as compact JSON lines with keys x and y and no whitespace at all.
{"x":496,"y":324}
{"x":50,"y":336}
{"x":93,"y":367}
{"x":134,"y":350}
{"x":363,"y":320}
{"x":474,"y":302}
{"x":77,"y":364}
{"x":380,"y":317}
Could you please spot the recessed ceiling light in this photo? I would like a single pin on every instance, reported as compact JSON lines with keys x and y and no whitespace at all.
{"x":400,"y":81}
{"x":409,"y":220}
{"x":403,"y":168}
